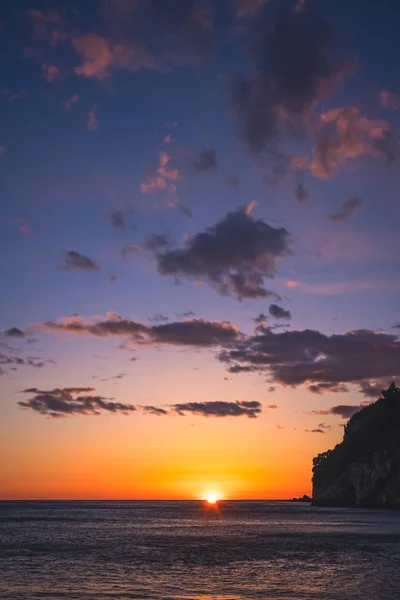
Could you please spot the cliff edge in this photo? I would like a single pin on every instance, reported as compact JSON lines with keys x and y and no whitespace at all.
{"x":364,"y":469}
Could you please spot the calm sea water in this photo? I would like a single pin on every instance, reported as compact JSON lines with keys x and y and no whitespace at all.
{"x":185,"y":551}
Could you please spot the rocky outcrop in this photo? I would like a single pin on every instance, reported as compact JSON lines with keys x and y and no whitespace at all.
{"x":364,"y":469}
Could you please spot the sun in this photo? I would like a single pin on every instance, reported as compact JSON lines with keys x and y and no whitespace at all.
{"x":211,"y":498}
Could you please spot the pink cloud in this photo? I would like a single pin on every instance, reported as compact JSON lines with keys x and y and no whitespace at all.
{"x":2,"y":150}
{"x":100,"y":56}
{"x":345,"y":135}
{"x":69,"y":103}
{"x":50,"y":73}
{"x":49,"y":25}
{"x":250,"y":207}
{"x":160,"y":180}
{"x":389,"y":100}
{"x":292,"y":284}
{"x":246,"y":9}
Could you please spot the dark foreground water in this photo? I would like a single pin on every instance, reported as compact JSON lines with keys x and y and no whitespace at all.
{"x":183,"y":550}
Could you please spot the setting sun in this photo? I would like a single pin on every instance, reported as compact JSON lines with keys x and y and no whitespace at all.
{"x":212,"y":498}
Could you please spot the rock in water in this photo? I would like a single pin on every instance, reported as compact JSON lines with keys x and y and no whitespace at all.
{"x":364,"y":470}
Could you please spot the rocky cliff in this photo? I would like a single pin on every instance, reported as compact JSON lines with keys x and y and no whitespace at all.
{"x":364,"y":469}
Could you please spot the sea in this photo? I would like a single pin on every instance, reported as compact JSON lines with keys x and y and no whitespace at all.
{"x":191,"y":551}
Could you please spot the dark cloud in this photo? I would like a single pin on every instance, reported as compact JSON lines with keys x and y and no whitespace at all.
{"x":313,"y":358}
{"x":232,"y":182}
{"x":342,"y":410}
{"x":188,"y":28}
{"x":14,"y":332}
{"x":328,"y":386}
{"x":279,"y":313}
{"x":301,"y":194}
{"x":75,"y":260}
{"x":113,"y":377}
{"x":234,"y":256}
{"x":206,"y":160}
{"x":61,"y":402}
{"x":349,"y":207}
{"x":294,"y":71}
{"x":184,"y":209}
{"x":119,"y":220}
{"x":195,"y":332}
{"x":159,"y":318}
{"x":373,"y":389}
{"x":13,"y":362}
{"x":60,"y":391}
{"x":219,"y":409}
{"x":191,"y":332}
{"x":154,"y":410}
{"x":157,"y":242}
{"x":314,"y":430}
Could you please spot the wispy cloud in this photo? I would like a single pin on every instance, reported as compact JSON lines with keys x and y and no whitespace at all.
{"x":71,"y":401}
{"x":76,"y":261}
{"x":349,"y":208}
{"x":93,"y":122}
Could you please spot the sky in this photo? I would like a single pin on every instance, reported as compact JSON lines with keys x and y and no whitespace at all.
{"x":199,"y":241}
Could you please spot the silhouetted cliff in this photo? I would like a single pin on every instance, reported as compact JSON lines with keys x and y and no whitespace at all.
{"x":364,"y":470}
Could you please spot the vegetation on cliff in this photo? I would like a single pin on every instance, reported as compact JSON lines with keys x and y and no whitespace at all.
{"x":364,"y":469}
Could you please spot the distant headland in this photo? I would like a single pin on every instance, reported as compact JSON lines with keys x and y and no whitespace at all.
{"x":364,"y":469}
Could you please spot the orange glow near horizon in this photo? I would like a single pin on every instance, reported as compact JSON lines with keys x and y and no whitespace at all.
{"x":172,"y":458}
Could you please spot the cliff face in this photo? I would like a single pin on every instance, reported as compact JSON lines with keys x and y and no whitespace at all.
{"x":364,"y":470}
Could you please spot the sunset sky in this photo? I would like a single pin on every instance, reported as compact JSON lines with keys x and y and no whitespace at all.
{"x":200,"y":250}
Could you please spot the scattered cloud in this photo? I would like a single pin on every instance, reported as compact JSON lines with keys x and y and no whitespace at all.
{"x":206,"y":160}
{"x":389,"y":100}
{"x":100,"y":56}
{"x":119,"y":220}
{"x":279,"y":313}
{"x":71,"y":401}
{"x":112,"y":378}
{"x":247,"y":9}
{"x":234,"y":256}
{"x":75,"y":260}
{"x":219,"y":409}
{"x":294,"y":71}
{"x":191,"y":332}
{"x":50,"y":73}
{"x":154,"y":410}
{"x":310,"y":357}
{"x":345,"y":135}
{"x":67,"y":104}
{"x":163,"y":178}
{"x":343,"y":410}
{"x":93,"y":122}
{"x":318,"y":430}
{"x":51,"y":26}
{"x":301,"y":194}
{"x":292,"y":284}
{"x":11,"y":361}
{"x":157,"y":241}
{"x":14,"y":332}
{"x":349,"y":207}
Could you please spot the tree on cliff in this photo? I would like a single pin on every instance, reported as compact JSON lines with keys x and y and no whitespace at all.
{"x":364,"y":469}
